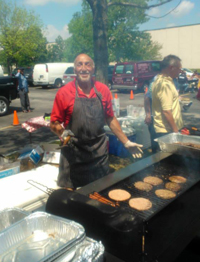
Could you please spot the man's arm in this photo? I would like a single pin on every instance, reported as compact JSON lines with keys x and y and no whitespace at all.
{"x":18,"y":73}
{"x":147,"y":108}
{"x":116,"y":129}
{"x":168,"y":115}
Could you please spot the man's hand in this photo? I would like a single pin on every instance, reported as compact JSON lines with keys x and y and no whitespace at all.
{"x":134,"y":149}
{"x":66,"y":133}
{"x":147,"y":119}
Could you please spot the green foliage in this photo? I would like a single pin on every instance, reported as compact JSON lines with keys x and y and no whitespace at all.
{"x":125,"y":41}
{"x":55,"y":52}
{"x":81,"y":40}
{"x":20,"y":35}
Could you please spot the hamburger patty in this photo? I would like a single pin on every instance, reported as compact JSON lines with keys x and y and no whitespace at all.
{"x":177,"y":179}
{"x":155,"y":181}
{"x":143,"y":186}
{"x":172,"y":186}
{"x":165,"y":194}
{"x":119,"y":195}
{"x":140,"y":203}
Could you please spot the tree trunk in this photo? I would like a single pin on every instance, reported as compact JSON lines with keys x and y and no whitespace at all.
{"x":99,"y":9}
{"x":8,"y":66}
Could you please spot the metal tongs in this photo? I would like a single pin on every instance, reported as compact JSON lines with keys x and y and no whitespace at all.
{"x":66,"y":139}
{"x":44,"y":188}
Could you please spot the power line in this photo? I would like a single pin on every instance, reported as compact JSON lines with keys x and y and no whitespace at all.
{"x":166,"y":13}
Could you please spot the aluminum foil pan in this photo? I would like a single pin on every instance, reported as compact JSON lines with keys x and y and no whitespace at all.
{"x":90,"y":250}
{"x":39,"y":237}
{"x":170,"y":143}
{"x":9,"y":216}
{"x":87,"y":251}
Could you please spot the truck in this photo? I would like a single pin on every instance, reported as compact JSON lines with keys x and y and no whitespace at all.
{"x":8,"y":92}
{"x":49,"y":74}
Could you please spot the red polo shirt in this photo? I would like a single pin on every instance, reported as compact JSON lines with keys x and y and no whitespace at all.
{"x":65,"y":98}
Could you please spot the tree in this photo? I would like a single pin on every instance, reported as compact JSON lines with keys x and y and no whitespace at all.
{"x":125,"y":41}
{"x":20,"y":34}
{"x":56,"y":51}
{"x":100,"y":28}
{"x":80,"y":28}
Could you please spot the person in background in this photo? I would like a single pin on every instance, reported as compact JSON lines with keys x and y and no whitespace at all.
{"x":165,"y":98}
{"x":149,"y":117}
{"x":183,"y":82}
{"x":23,"y":91}
{"x":148,"y":111}
{"x":81,"y":108}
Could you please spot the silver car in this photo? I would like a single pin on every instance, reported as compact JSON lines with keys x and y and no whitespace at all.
{"x":68,"y":75}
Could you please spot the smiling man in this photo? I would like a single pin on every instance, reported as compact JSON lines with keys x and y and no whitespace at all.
{"x":81,"y":109}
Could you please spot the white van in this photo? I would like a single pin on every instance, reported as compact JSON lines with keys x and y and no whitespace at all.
{"x":49,"y":74}
{"x":1,"y":71}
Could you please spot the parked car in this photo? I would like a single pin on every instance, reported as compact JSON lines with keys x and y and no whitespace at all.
{"x":49,"y":74}
{"x":134,"y":75}
{"x":28,"y":72}
{"x":8,"y":92}
{"x":110,"y":74}
{"x":69,"y":75}
{"x":188,"y":72}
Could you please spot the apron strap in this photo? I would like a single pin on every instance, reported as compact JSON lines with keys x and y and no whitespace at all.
{"x":98,"y":94}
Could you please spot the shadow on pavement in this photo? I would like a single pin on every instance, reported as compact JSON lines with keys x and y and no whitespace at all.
{"x":10,"y":143}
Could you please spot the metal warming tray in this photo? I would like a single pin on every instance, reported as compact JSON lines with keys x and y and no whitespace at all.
{"x":39,"y":237}
{"x":87,"y":250}
{"x":10,"y":216}
{"x":169,"y":143}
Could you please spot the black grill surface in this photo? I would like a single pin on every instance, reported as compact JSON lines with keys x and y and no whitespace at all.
{"x":161,"y":170}
{"x":156,"y":235}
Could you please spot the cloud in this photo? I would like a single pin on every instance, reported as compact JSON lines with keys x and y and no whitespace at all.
{"x":184,"y":8}
{"x":171,"y":25}
{"x":154,"y":11}
{"x":44,"y":2}
{"x":51,"y":33}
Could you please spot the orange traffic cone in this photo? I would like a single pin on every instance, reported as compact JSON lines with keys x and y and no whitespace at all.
{"x":116,"y":96}
{"x":111,"y":96}
{"x":15,"y":119}
{"x":146,"y":90}
{"x":131,"y":95}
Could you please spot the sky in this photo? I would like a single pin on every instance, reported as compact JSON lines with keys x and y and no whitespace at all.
{"x":56,"y":14}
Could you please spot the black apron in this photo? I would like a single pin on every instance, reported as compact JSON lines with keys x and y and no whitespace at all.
{"x":86,"y":158}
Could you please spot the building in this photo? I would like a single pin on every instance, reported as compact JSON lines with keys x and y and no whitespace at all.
{"x":183,"y":41}
{"x":49,"y":45}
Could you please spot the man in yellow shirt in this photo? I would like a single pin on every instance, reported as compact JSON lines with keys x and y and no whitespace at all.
{"x":165,"y":98}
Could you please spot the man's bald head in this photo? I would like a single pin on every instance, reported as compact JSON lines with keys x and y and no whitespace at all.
{"x":84,"y":68}
{"x":85,"y":57}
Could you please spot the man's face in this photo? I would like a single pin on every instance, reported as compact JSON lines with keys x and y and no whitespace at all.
{"x":84,"y":68}
{"x":176,"y":70}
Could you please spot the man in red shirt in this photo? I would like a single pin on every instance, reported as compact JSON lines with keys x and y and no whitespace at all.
{"x":83,"y":107}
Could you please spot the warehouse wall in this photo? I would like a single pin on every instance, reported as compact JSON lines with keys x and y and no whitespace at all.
{"x":183,"y":41}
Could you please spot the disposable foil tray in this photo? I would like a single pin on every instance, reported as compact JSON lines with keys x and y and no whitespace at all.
{"x":9,"y":216}
{"x":39,"y":237}
{"x":87,"y":250}
{"x":170,"y":143}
